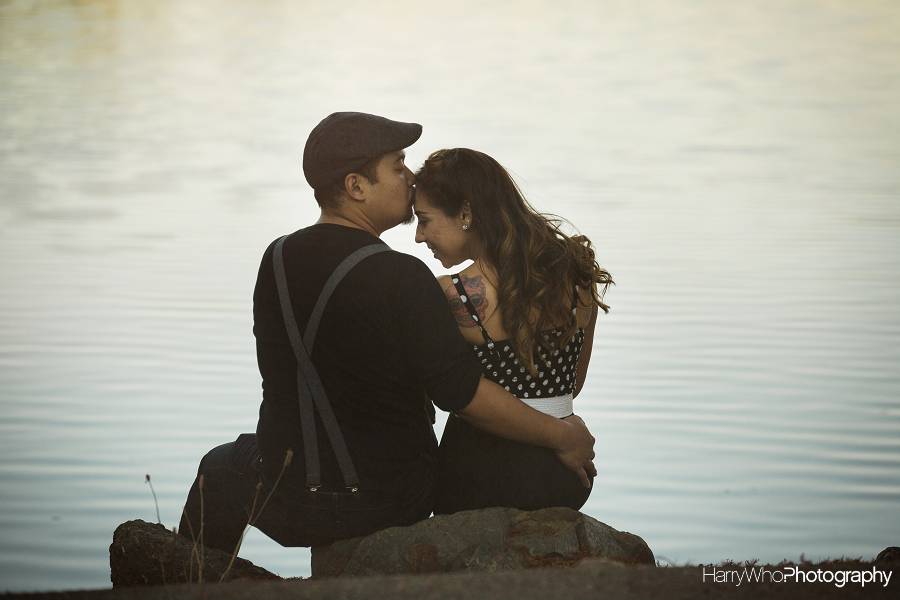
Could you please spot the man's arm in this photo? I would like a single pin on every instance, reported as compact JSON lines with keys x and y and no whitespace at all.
{"x":496,"y":411}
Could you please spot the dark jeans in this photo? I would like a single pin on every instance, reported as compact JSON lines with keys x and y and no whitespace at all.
{"x":293,"y":516}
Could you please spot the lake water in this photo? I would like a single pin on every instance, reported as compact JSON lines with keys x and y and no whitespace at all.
{"x":736,"y":164}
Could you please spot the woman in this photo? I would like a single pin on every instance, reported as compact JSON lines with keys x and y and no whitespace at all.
{"x":528,"y":305}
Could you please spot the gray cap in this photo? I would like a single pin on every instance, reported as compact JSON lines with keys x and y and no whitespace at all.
{"x":345,"y":141}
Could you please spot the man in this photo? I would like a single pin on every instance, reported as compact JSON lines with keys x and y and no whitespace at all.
{"x":383,"y":344}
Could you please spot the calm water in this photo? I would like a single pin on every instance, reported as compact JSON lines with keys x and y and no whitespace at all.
{"x":736,"y":164}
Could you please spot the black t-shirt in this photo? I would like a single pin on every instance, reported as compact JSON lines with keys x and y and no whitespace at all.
{"x":385,"y":341}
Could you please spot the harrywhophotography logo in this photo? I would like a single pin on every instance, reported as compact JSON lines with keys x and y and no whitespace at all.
{"x":793,"y":574}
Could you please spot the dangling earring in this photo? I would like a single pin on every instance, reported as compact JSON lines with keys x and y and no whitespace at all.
{"x":465,"y":227}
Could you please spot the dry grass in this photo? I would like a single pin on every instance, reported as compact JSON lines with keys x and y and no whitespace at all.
{"x":198,"y":547}
{"x":252,"y":518}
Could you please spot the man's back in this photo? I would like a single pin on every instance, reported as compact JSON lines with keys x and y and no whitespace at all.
{"x":385,"y":339}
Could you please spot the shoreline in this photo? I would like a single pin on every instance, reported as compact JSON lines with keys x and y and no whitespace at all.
{"x":592,"y":578}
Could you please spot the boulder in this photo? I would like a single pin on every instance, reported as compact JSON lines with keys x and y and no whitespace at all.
{"x":482,"y":540}
{"x":146,"y":554}
{"x":888,"y":556}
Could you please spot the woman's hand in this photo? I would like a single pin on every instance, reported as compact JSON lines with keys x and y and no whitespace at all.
{"x":576,"y":449}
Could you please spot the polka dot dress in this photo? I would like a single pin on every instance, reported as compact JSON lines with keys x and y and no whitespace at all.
{"x":499,"y":363}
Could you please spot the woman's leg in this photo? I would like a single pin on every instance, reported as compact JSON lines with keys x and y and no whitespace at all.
{"x":479,"y":470}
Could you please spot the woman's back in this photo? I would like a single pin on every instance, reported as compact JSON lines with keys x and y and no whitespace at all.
{"x":478,"y":469}
{"x":561,"y":367}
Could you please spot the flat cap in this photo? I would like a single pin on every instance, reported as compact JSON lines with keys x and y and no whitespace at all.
{"x":345,"y":141}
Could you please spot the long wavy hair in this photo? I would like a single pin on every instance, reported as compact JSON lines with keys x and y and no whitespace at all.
{"x":538,"y":265}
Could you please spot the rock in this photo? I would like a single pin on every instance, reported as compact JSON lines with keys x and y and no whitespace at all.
{"x":146,"y":553}
{"x":482,"y":540}
{"x":888,"y":556}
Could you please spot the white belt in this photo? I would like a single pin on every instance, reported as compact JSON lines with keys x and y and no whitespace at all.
{"x":555,"y":406}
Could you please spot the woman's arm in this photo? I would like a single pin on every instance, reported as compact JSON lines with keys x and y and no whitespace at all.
{"x":585,"y":358}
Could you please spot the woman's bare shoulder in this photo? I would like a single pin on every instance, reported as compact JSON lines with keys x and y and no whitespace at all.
{"x":476,"y":278}
{"x":480,"y":291}
{"x":455,"y":302}
{"x":445,"y":283}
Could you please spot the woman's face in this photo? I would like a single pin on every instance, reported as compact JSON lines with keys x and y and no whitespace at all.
{"x":443,"y":235}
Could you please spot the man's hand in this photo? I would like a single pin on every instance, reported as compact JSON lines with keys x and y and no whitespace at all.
{"x":575,"y":449}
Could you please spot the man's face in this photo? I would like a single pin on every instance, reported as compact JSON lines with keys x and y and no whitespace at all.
{"x":391,"y":197}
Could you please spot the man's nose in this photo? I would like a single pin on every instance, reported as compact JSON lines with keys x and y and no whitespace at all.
{"x":419,"y":237}
{"x":410,"y":176}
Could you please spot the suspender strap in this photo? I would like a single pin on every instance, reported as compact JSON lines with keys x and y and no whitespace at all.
{"x":312,"y":327}
{"x":307,"y":416}
{"x":456,"y":278}
{"x":311,"y":394}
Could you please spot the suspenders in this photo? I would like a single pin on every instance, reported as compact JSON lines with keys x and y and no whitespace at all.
{"x":310,"y":392}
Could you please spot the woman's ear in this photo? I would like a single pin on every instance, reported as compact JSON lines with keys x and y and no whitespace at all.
{"x":465,"y":215}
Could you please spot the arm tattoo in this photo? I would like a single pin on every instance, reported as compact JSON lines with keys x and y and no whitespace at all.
{"x":459,"y":312}
{"x":475,"y":296}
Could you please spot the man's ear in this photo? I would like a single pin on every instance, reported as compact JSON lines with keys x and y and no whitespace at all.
{"x":354,"y":185}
